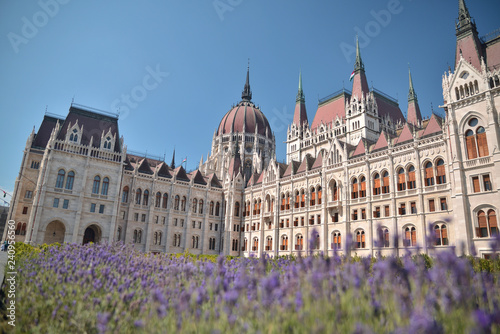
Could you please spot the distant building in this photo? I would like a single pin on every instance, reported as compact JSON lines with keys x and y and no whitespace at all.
{"x":4,"y":210}
{"x":359,"y":170}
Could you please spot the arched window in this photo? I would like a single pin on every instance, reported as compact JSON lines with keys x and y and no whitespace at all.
{"x":269,"y":243}
{"x":312,"y":201}
{"x":410,"y":238}
{"x":482,"y":143}
{"x":164,"y":203}
{"x":354,"y":192}
{"x":319,"y":194}
{"x":284,"y":242}
{"x":211,"y":208}
{"x":195,"y":240}
{"x":386,"y":242}
{"x":259,"y":204}
{"x":492,"y":222}
{"x":488,"y":226}
{"x":362,"y":187}
{"x":237,"y":209}
{"x":385,"y":183}
{"x":183,"y":203}
{"x":139,"y":236}
{"x":60,"y":178}
{"x":125,"y":194}
{"x":297,"y":200}
{"x":412,"y":184}
{"x":376,"y":184}
{"x":470,"y":142}
{"x":440,"y":172}
{"x":316,"y":240}
{"x":337,"y":240}
{"x":70,"y":180}
{"x":217,"y":209}
{"x":158,"y":199}
{"x":299,"y":242}
{"x":145,"y":199}
{"x":429,"y":174}
{"x":255,"y":245}
{"x":441,"y":235}
{"x":401,"y":180}
{"x":135,"y":236}
{"x":195,"y":205}
{"x":200,"y":207}
{"x":176,"y":202}
{"x":302,"y":199}
{"x":335,"y":191}
{"x":360,"y":239}
{"x":96,"y":185}
{"x":119,"y":233}
{"x":105,"y":186}
{"x":475,"y":140}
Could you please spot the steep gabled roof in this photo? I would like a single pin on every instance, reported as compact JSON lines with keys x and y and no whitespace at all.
{"x":214,"y":181}
{"x":319,"y":162}
{"x":330,"y":109}
{"x":198,"y":178}
{"x":144,"y":167}
{"x":432,"y":126}
{"x":253,"y":179}
{"x":292,"y":168}
{"x":180,"y":174}
{"x":128,"y":165}
{"x":261,"y":178}
{"x":360,"y":149}
{"x":405,"y":135}
{"x":282,"y":168}
{"x":43,"y":135}
{"x":381,"y":142}
{"x":164,"y":170}
{"x":306,"y":164}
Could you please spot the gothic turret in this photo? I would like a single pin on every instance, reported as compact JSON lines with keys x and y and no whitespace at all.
{"x":300,"y":114}
{"x":246,"y":95}
{"x":413,"y":116}
{"x":468,"y":45}
{"x":359,"y":84}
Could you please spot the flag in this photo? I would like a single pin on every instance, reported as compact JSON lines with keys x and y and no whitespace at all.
{"x":185,"y":159}
{"x":352,"y":76}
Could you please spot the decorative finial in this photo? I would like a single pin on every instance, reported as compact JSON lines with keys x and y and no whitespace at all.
{"x":247,"y":93}
{"x":300,"y":94}
{"x":411,"y":93}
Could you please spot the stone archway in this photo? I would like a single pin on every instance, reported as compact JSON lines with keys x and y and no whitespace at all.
{"x":92,"y":234}
{"x":54,"y":232}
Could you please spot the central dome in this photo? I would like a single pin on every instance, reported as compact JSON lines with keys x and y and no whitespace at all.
{"x":245,"y":117}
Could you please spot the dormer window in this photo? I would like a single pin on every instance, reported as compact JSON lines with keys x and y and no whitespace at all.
{"x":74,"y":136}
{"x":107,"y":143}
{"x":108,"y":140}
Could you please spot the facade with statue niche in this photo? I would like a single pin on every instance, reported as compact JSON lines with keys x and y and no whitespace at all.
{"x":359,"y":173}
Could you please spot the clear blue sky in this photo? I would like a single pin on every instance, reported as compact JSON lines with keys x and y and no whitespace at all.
{"x":99,"y":51}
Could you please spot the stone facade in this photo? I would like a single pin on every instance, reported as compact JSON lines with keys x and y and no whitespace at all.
{"x":359,"y":177}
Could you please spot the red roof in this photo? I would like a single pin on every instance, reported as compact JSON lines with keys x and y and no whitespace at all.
{"x":493,"y":53}
{"x":389,"y":108}
{"x":244,"y":115}
{"x":360,"y":84}
{"x":405,"y":135}
{"x":319,"y":162}
{"x":328,"y":111}
{"x":432,"y":127}
{"x":381,"y":142}
{"x":414,"y":115}
{"x":300,"y":114}
{"x":471,"y":51}
{"x":360,"y":149}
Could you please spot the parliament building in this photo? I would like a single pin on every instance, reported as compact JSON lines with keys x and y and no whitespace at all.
{"x":360,"y":177}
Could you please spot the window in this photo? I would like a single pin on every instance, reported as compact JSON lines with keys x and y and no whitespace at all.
{"x":96,"y":185}
{"x":387,"y":211}
{"x":402,"y":209}
{"x":335,"y":191}
{"x":337,"y":240}
{"x":355,"y":214}
{"x":211,"y":244}
{"x":55,"y":204}
{"x":319,"y":195}
{"x":401,"y":180}
{"x":195,"y":240}
{"x":410,"y":237}
{"x":125,"y":195}
{"x":441,"y":235}
{"x":200,"y":207}
{"x":101,"y":208}
{"x":440,"y":172}
{"x":432,"y":206}
{"x":28,"y":194}
{"x":136,"y":217}
{"x":362,"y":187}
{"x":70,"y":180}
{"x":163,"y":220}
{"x":158,"y":199}
{"x":284,"y":242}
{"x":413,"y":207}
{"x":194,"y":224}
{"x":475,"y":140}
{"x":182,"y":222}
{"x":183,"y":203}
{"x":145,"y":198}
{"x":119,"y":233}
{"x":216,"y":226}
{"x":74,"y":136}
{"x":360,"y":239}
{"x":299,"y":242}
{"x":35,"y":164}
{"x":237,"y":209}
{"x":269,"y":243}
{"x":385,"y":186}
{"x":302,"y":200}
{"x":176,"y":202}
{"x":122,"y":214}
{"x":137,"y":236}
{"x":143,"y":217}
{"x":255,"y":246}
{"x":157,"y":238}
{"x":376,"y":213}
{"x":313,"y":197}
{"x":165,"y":201}
{"x":138,"y":195}
{"x":411,"y":178}
{"x":487,"y":223}
{"x":105,"y":186}
{"x":354,"y":192}
{"x":363,"y":213}
{"x":65,"y":203}
{"x":376,"y":184}
{"x":475,"y":184}
{"x":60,"y":178}
{"x":217,"y":209}
{"x":92,"y":207}
{"x":195,"y":205}
{"x":175,"y":221}
{"x":487,"y":182}
{"x":429,"y":174}
{"x":25,"y":210}
{"x":444,"y":205}
{"x":177,"y":240}
{"x":385,"y":235}
{"x":211,"y":208}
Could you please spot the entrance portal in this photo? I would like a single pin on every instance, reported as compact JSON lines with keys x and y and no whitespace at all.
{"x":92,"y":234}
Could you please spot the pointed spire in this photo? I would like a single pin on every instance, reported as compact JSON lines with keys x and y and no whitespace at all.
{"x":172,"y":164}
{"x":464,"y":18}
{"x":411,"y":94}
{"x":358,"y":65}
{"x":247,"y":93}
{"x":300,"y":113}
{"x":300,"y":94}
